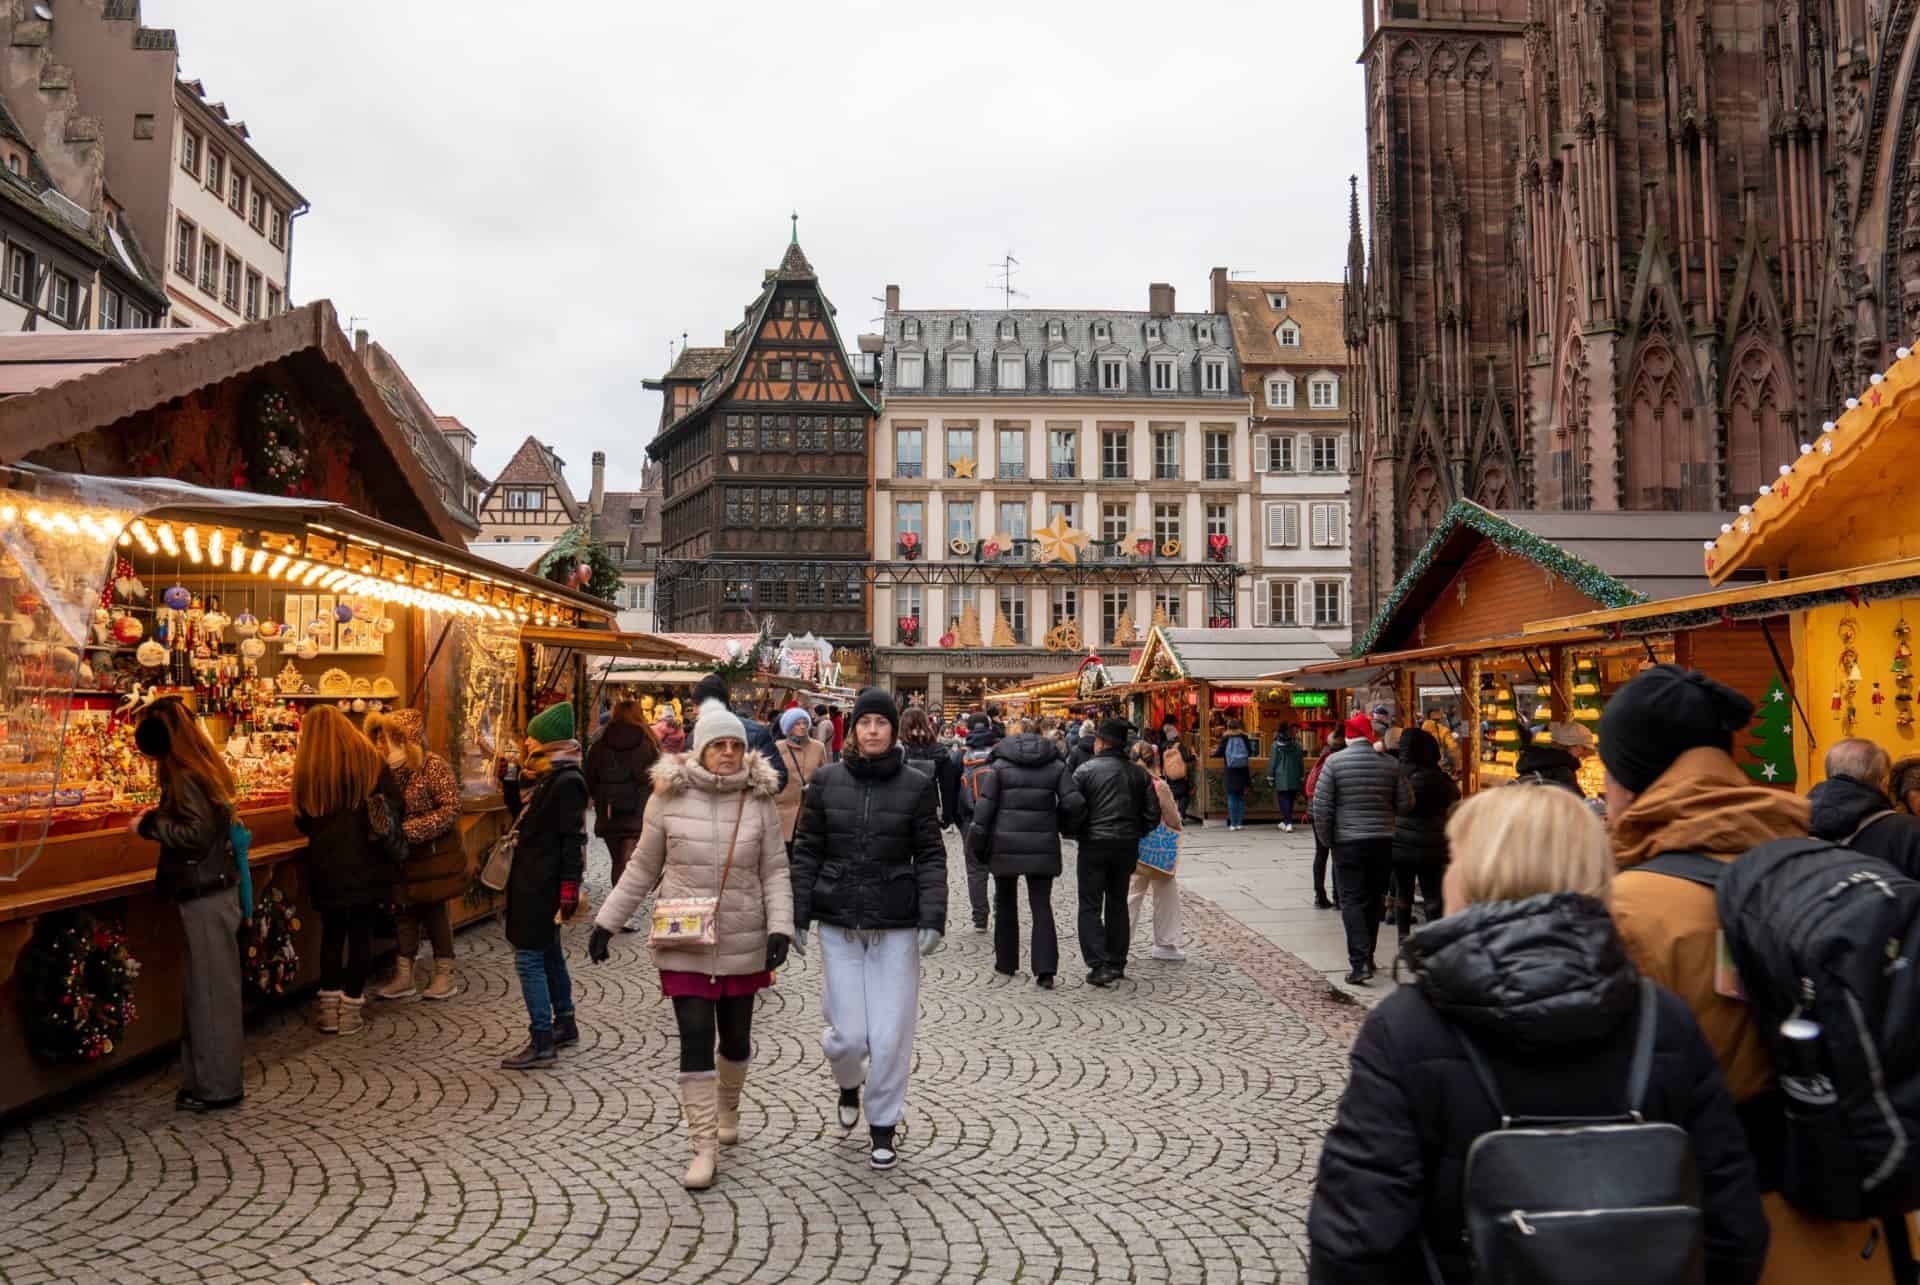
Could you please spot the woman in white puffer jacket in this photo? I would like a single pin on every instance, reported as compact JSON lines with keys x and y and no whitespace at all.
{"x":718,"y":797}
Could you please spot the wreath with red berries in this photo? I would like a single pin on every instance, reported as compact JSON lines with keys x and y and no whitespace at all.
{"x":268,"y":958}
{"x":76,"y":987}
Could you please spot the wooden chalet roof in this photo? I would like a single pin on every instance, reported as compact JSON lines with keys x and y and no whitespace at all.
{"x":793,"y":268}
{"x":1315,"y":306}
{"x":1231,"y":654}
{"x":536,"y":464}
{"x":1616,"y":559}
{"x":57,"y":385}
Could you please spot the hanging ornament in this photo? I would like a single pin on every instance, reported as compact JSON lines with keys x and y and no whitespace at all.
{"x":151,"y":654}
{"x":252,"y":649}
{"x":1836,"y":700}
{"x":246,"y":624}
{"x":363,"y":610}
{"x":308,"y":649}
{"x":386,"y":624}
{"x":341,"y":613}
{"x":1879,"y":698}
{"x":269,"y":628}
{"x":214,"y":623}
{"x":177,"y":598}
{"x":128,"y":629}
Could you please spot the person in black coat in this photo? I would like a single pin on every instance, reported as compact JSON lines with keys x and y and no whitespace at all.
{"x":1110,"y":806}
{"x":1426,"y":796}
{"x":1528,"y":966}
{"x":549,"y":796}
{"x":921,"y":741}
{"x":870,"y":868}
{"x":1080,"y":746}
{"x":1853,"y":806}
{"x":759,"y":735}
{"x":1016,"y":832}
{"x":349,"y":805}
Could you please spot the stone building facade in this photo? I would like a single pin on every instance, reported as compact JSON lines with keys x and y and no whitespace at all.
{"x":1623,"y":254}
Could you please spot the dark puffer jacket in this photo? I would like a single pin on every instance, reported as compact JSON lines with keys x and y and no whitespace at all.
{"x":552,"y":850}
{"x":937,"y":761}
{"x":1110,"y":800}
{"x":867,"y":853}
{"x":619,"y":771}
{"x":1544,"y":988}
{"x":1016,"y":827}
{"x":346,"y":864}
{"x":1840,"y":806}
{"x":1354,"y":797}
{"x":1420,"y":822}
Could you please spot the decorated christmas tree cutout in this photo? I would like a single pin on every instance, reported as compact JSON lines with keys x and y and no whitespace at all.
{"x":969,"y":633}
{"x":1002,"y":631}
{"x":1123,"y":630}
{"x":1770,"y":739}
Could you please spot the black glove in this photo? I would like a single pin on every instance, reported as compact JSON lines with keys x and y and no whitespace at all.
{"x":597,"y":945}
{"x":776,"y":950}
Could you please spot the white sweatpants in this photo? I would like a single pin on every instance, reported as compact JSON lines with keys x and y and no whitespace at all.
{"x":1166,"y":908}
{"x":871,"y":1001}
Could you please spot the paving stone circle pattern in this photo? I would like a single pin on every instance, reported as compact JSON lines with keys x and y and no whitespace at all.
{"x":1165,"y":1130}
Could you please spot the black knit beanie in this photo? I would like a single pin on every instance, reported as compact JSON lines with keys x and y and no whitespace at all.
{"x":711,"y":688}
{"x":152,"y":738}
{"x":1660,"y":715}
{"x":874,"y":700}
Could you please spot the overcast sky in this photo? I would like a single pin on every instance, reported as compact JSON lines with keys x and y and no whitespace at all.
{"x":526,"y":209}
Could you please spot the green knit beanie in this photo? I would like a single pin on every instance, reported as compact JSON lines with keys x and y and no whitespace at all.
{"x":554,"y":723}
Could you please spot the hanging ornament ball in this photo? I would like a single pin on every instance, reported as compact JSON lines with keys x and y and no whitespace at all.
{"x":307,"y":650}
{"x":151,"y":654}
{"x":214,"y":622}
{"x":317,"y":627}
{"x":268,"y":628}
{"x":246,"y":624}
{"x":252,"y":649}
{"x":101,"y":615}
{"x":26,"y":602}
{"x":387,"y":624}
{"x":363,"y":610}
{"x":342,"y":613}
{"x":177,"y":598}
{"x":359,"y":706}
{"x":128,"y":629}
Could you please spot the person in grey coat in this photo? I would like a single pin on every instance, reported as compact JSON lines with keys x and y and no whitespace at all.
{"x":1353,"y":806}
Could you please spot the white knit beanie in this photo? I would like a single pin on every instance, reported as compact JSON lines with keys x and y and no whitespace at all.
{"x":716,"y":723}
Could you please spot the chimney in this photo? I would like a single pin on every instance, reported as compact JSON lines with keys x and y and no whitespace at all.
{"x":360,"y":345}
{"x":1160,"y":299}
{"x":893,"y":298}
{"x":597,"y":497}
{"x":1218,"y":280}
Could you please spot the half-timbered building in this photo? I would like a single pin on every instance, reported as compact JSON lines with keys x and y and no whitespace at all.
{"x":529,"y":502}
{"x":764,"y":452}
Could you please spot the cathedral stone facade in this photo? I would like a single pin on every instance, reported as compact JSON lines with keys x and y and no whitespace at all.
{"x":1626,"y":254}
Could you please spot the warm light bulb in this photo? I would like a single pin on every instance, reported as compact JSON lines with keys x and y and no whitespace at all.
{"x":215,"y":543}
{"x":191,"y":537}
{"x":279,"y":564}
{"x":167,"y":542}
{"x":259,"y":561}
{"x":239,"y":556}
{"x":319,"y":569}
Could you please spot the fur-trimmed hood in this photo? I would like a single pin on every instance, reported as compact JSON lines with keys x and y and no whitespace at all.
{"x":675,"y":773}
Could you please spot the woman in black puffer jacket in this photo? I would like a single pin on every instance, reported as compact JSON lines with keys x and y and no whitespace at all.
{"x":1426,"y":795}
{"x":869,"y":867}
{"x":1529,"y":967}
{"x":1016,"y":831}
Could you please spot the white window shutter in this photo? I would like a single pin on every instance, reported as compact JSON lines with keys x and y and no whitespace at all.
{"x":1261,"y":606}
{"x":1259,"y":452}
{"x":1293,"y":526}
{"x":1319,"y":526}
{"x":1337,"y":536}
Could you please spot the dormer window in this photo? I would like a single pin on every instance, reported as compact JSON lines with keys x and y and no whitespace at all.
{"x":1153,"y":332}
{"x":1102,"y":332}
{"x":1006,"y":331}
{"x":960,"y":331}
{"x":1013,"y":371}
{"x":910,"y":331}
{"x":1163,"y":376}
{"x":1213,"y":376}
{"x":1289,"y":335}
{"x":1204,"y":332}
{"x":1277,"y":300}
{"x":1056,"y":333}
{"x":959,"y":372}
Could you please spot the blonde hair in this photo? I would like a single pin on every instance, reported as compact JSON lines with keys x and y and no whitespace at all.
{"x":334,"y":767}
{"x":386,"y":733}
{"x":1520,"y":841}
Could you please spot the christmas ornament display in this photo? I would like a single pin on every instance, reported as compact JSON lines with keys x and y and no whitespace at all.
{"x":252,"y":649}
{"x":75,"y":980}
{"x":128,"y":630}
{"x":246,"y":624}
{"x":1849,"y":669}
{"x":277,"y":449}
{"x":177,"y":598}
{"x":271,"y":962}
{"x":151,"y":654}
{"x":1902,"y":674}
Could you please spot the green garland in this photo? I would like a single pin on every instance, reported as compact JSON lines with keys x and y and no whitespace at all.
{"x":271,"y":962}
{"x":574,"y":548}
{"x":1763,"y":609}
{"x":1577,"y":572}
{"x":75,"y":981}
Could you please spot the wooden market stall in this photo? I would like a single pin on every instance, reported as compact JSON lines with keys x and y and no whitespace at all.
{"x":1452,"y":638}
{"x":1038,"y":696}
{"x":1837,"y":538}
{"x":1201,"y":678}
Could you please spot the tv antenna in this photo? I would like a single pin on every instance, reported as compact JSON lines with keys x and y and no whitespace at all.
{"x":881,"y":319}
{"x":1004,"y":269}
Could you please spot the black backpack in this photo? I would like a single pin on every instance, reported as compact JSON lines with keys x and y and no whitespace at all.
{"x":1579,"y":1200}
{"x":619,"y":790}
{"x":1826,"y":938}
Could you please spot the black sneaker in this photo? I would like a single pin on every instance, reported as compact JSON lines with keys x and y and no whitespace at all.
{"x":1044,"y":981}
{"x":1357,"y":977}
{"x":884,"y":1156}
{"x":849,"y":1108}
{"x":1321,"y":903}
{"x":1371,"y":970}
{"x":565,"y":1031}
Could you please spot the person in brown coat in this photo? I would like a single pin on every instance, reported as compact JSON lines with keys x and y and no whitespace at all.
{"x":804,"y":755}
{"x":436,"y":866}
{"x":712,"y":831}
{"x":1666,"y":741}
{"x":619,"y":771}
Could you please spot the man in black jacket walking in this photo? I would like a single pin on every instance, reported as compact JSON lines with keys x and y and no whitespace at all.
{"x":1016,"y":831}
{"x":1110,"y":804}
{"x":1852,"y":807}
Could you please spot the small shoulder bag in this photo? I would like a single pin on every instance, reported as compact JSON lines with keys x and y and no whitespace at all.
{"x":692,"y":921}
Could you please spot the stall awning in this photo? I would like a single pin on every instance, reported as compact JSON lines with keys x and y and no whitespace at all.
{"x":1348,"y":671}
{"x":665,"y":677}
{"x":1896,"y":579}
{"x":605,"y":642}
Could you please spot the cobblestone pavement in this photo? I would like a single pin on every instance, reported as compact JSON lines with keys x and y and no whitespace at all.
{"x":1162,"y":1131}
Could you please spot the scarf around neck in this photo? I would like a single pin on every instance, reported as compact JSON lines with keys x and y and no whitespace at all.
{"x":552,"y":755}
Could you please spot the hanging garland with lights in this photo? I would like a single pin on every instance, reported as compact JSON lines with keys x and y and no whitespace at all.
{"x":278,"y":452}
{"x":1576,"y":572}
{"x":75,"y":982}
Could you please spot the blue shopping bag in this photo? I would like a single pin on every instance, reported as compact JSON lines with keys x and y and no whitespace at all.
{"x":1159,"y":852}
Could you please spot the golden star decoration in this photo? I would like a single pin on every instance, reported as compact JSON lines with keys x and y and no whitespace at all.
{"x":960,"y":466}
{"x":1060,"y":542}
